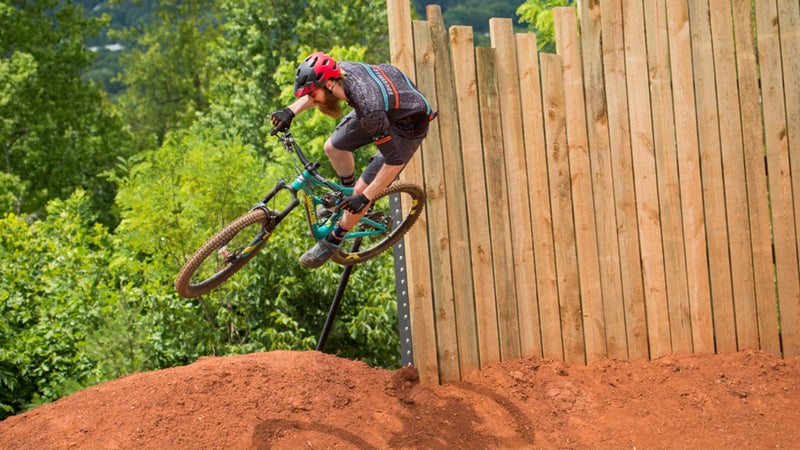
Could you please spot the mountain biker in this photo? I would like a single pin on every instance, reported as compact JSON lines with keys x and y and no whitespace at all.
{"x":388,"y":111}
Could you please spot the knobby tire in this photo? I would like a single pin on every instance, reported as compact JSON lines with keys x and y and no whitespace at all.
{"x":372,"y":247}
{"x":187,"y":287}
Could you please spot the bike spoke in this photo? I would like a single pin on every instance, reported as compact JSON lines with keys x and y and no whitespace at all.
{"x":230,"y":253}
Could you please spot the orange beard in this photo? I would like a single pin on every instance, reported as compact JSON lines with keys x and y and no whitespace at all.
{"x":329,"y":105}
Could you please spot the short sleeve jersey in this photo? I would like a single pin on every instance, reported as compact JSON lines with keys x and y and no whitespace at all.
{"x":386,"y":102}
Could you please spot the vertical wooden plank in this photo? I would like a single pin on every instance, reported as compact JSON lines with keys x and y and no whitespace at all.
{"x":503,"y":41}
{"x":622,"y":167}
{"x":423,"y":328}
{"x":746,"y":318}
{"x":561,"y":204}
{"x":647,"y":208}
{"x":539,"y":195}
{"x":779,"y":169}
{"x":711,"y":170}
{"x":568,"y":48}
{"x":667,"y":175}
{"x":458,"y":233}
{"x":756,"y":178}
{"x":789,"y":19}
{"x":499,"y":220}
{"x":602,"y":184}
{"x":401,"y":48}
{"x":480,"y":246}
{"x":689,"y":172}
{"x":401,"y":38}
{"x":433,"y":163}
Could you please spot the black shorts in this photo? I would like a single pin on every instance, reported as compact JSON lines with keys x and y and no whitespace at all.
{"x":349,"y":136}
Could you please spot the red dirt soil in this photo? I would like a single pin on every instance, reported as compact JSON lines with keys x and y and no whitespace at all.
{"x":297,"y":400}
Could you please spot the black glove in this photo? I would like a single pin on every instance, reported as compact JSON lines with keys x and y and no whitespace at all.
{"x":282,"y":119}
{"x":355,"y":204}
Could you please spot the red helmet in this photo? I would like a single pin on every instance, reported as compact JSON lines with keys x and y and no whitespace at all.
{"x":315,"y":70}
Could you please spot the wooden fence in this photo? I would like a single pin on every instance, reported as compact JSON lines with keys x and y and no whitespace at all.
{"x":629,"y":197}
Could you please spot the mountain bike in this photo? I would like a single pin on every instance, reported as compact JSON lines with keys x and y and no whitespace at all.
{"x":392,"y":213}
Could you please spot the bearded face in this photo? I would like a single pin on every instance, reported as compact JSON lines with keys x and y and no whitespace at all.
{"x":327,"y":102}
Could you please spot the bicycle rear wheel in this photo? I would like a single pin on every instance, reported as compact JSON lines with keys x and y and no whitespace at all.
{"x":224,"y":254}
{"x":398,"y":207}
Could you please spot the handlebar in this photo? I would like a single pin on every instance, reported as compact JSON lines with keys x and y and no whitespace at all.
{"x":290,"y":144}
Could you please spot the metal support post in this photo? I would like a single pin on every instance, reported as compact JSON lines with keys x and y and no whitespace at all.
{"x":401,"y":286}
{"x":337,"y":301}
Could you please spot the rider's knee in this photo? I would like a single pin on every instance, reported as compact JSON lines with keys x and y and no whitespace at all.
{"x":330,"y":150}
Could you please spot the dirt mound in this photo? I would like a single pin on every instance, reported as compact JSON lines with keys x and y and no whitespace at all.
{"x":293,"y":400}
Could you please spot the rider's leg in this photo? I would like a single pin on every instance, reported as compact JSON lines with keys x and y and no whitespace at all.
{"x":349,"y":219}
{"x":324,"y":249}
{"x":346,"y":138}
{"x":371,"y":184}
{"x":342,"y":161}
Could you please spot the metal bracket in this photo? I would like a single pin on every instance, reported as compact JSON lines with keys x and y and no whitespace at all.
{"x":401,"y":286}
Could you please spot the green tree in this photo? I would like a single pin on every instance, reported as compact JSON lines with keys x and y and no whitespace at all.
{"x":52,"y":287}
{"x":80,"y":304}
{"x":173,"y":199}
{"x":166,"y":72}
{"x":57,"y":132}
{"x":538,"y":14}
{"x":262,"y":35}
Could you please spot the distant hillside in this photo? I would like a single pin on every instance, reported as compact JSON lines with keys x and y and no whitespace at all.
{"x":123,"y":15}
{"x":475,"y":13}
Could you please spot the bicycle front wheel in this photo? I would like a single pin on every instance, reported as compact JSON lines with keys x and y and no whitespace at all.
{"x":397,"y":208}
{"x":224,"y":254}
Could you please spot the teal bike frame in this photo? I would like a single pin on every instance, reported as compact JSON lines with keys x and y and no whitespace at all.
{"x":392,"y":213}
{"x":313,"y":190}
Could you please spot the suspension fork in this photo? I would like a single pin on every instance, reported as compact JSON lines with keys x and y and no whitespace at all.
{"x":273,"y":216}
{"x":273,"y":219}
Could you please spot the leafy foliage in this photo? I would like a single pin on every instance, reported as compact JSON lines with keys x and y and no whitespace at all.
{"x":57,"y":131}
{"x":179,"y":195}
{"x":54,"y":281}
{"x":86,"y":289}
{"x":539,"y":16}
{"x":166,"y":73}
{"x":260,"y":36}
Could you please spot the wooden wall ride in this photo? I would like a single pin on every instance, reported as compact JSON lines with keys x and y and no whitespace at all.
{"x":611,"y":200}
